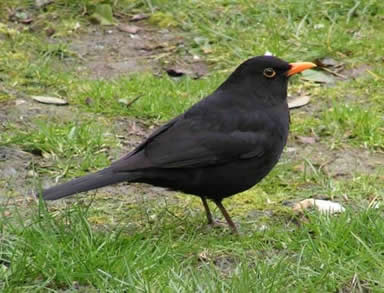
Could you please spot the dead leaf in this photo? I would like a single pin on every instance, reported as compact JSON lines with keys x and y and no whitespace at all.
{"x":26,"y":21}
{"x":49,"y":100}
{"x":132,"y":29}
{"x":204,"y":256}
{"x":298,"y":102}
{"x":317,"y":76}
{"x":323,"y":206}
{"x":306,"y":139}
{"x":328,"y":62}
{"x":20,"y":102}
{"x":176,"y":72}
{"x":194,"y":70}
{"x":152,"y":46}
{"x":139,"y":16}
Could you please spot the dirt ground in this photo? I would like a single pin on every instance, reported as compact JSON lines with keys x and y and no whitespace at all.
{"x":111,"y":52}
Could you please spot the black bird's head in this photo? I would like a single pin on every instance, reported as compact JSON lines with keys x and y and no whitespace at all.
{"x":264,"y":78}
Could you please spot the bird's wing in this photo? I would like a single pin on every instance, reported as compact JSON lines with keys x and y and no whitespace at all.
{"x":189,"y":143}
{"x":154,"y":134}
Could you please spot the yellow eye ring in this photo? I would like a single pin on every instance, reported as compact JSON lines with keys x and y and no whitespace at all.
{"x":269,"y":72}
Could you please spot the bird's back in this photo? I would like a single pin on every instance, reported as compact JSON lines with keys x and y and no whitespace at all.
{"x":236,"y":146}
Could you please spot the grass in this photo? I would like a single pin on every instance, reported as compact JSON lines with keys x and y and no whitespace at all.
{"x":74,"y":147}
{"x":167,"y":98}
{"x":136,"y":241}
{"x":354,"y":122}
{"x":64,"y":251}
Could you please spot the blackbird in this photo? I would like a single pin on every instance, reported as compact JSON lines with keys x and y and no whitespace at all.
{"x":222,"y":145}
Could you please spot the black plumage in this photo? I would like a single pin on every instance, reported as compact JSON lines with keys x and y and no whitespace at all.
{"x":222,"y":145}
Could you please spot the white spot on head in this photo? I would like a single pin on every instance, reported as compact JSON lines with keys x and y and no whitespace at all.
{"x":267,"y":53}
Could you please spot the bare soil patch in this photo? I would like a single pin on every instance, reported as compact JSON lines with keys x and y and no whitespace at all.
{"x":110,"y":52}
{"x":335,"y":162}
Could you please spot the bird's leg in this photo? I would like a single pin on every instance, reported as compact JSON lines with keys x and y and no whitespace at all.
{"x":211,"y":221}
{"x":207,"y":211}
{"x":227,"y":217}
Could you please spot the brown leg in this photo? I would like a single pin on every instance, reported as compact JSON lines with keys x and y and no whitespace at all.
{"x":207,"y":211}
{"x":227,"y":217}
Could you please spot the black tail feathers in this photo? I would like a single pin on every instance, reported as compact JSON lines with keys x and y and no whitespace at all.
{"x":88,"y":182}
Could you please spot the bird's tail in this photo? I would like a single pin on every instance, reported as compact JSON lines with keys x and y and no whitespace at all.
{"x":88,"y":182}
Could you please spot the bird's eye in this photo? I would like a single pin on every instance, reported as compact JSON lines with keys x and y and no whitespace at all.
{"x":269,"y":72}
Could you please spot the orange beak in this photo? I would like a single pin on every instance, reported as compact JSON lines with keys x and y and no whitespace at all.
{"x":299,"y":67}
